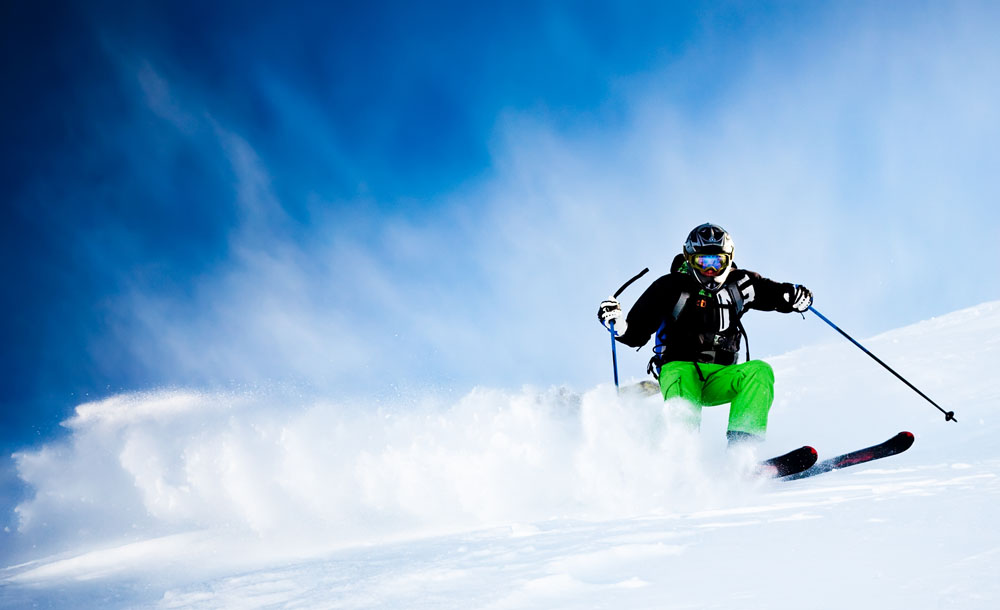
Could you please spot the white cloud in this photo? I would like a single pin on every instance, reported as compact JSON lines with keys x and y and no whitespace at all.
{"x":850,"y":160}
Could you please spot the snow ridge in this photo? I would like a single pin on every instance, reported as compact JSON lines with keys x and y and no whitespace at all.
{"x":529,"y":499}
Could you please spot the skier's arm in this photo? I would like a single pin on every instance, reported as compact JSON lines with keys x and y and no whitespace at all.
{"x":647,"y":314}
{"x":778,"y":296}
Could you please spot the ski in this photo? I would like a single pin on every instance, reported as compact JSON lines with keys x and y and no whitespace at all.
{"x":897,"y":444}
{"x":795,"y":461}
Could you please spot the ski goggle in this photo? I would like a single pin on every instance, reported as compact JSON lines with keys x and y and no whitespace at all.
{"x":709,"y":264}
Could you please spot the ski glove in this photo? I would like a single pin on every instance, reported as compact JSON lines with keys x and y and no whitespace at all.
{"x":611,"y":311}
{"x":800,"y":298}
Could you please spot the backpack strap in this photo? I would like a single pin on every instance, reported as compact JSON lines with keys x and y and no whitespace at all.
{"x":679,"y":306}
{"x":739,"y":302}
{"x":653,"y":368}
{"x":743,"y":331}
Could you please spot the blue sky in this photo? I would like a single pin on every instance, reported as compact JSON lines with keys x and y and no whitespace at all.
{"x":115,"y":177}
{"x":380,"y":201}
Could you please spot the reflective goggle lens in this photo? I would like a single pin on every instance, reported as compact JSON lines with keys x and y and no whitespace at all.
{"x":710,"y":264}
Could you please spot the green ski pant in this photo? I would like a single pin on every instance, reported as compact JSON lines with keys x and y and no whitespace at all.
{"x":748,"y":387}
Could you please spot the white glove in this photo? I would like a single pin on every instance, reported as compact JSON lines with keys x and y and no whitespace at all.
{"x":800,"y":298}
{"x":611,"y":311}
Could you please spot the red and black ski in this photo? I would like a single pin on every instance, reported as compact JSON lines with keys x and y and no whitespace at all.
{"x":795,"y":461}
{"x":897,"y":444}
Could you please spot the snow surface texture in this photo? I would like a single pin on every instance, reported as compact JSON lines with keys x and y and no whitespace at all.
{"x":533,"y":499}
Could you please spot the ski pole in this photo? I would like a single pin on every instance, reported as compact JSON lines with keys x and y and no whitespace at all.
{"x":614,"y":351}
{"x":948,"y":415}
{"x":629,"y":283}
{"x":611,"y":325}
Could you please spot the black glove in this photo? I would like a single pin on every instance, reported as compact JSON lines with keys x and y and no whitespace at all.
{"x":800,"y":298}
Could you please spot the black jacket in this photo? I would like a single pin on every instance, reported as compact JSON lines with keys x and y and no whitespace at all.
{"x":694,"y":325}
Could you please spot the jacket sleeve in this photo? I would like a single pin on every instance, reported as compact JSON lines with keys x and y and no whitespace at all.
{"x":645,"y":317}
{"x":769,"y":295}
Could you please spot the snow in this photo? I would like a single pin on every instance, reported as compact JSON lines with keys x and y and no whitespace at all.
{"x":540,"y":498}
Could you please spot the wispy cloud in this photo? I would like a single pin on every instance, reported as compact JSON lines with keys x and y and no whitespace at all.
{"x":833,"y":168}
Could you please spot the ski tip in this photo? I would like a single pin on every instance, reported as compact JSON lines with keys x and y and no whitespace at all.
{"x":813,"y":451}
{"x":906,"y":438}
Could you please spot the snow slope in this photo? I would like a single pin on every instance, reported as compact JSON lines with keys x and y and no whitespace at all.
{"x":532,"y":499}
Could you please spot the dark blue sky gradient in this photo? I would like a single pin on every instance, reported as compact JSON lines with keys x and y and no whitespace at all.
{"x":99,"y":192}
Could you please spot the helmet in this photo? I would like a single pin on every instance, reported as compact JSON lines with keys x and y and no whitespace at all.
{"x":709,"y":253}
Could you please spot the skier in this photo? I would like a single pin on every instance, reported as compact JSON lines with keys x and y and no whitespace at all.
{"x":695,"y":312}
